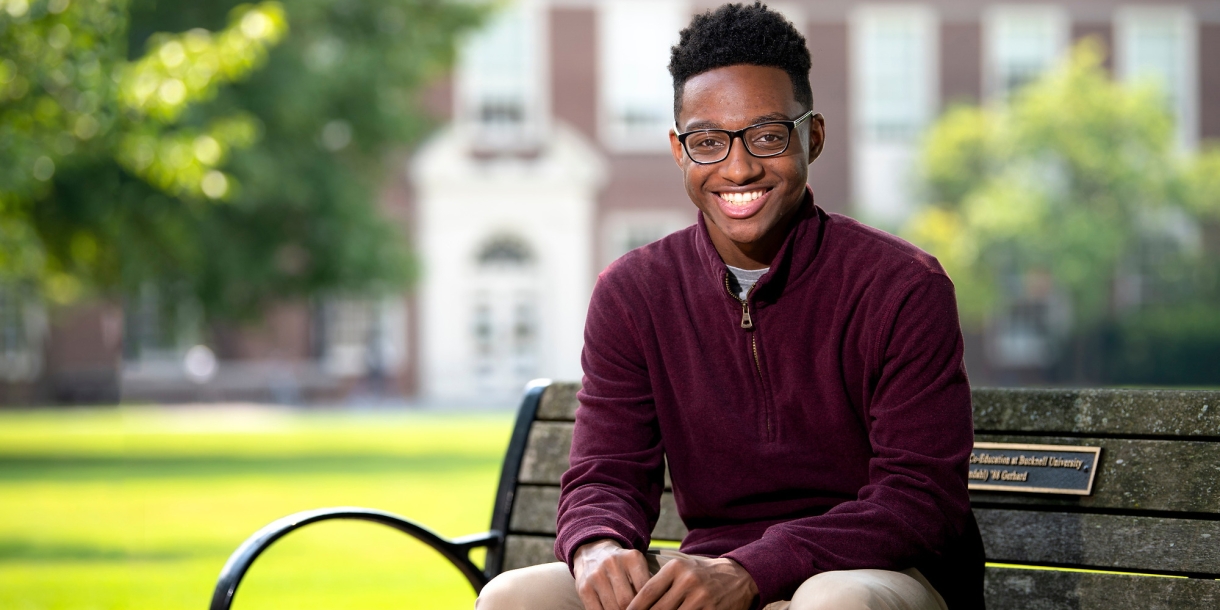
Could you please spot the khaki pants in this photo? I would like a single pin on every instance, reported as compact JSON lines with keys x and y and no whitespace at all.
{"x":551,"y":587}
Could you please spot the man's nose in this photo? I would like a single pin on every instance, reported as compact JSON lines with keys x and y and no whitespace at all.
{"x":740,"y":167}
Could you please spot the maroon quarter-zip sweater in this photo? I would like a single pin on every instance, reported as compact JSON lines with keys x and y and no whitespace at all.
{"x":833,"y":433}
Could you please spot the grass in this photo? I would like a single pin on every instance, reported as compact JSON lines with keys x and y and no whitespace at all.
{"x":140,"y":507}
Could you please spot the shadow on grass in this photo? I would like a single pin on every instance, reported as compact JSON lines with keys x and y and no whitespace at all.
{"x":25,"y":551}
{"x":75,"y":468}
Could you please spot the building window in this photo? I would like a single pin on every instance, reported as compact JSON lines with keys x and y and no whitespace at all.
{"x":505,"y":324}
{"x":500,"y":87}
{"x":625,"y":231}
{"x":505,"y":250}
{"x":894,"y":93}
{"x":1022,"y":42}
{"x":1159,"y":45}
{"x":895,"y":72}
{"x":159,"y":325}
{"x":637,"y":96}
{"x":23,"y":328}
{"x":363,"y":337}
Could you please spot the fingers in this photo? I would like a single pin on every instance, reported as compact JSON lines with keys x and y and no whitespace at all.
{"x":682,"y":584}
{"x":588,"y":595}
{"x":656,"y":589}
{"x":598,"y":591}
{"x":648,"y":596}
{"x":620,"y":588}
{"x":673,"y":599}
{"x":609,"y":581}
{"x":637,"y":571}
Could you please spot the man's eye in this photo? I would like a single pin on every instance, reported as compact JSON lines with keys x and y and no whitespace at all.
{"x":708,"y":143}
{"x":768,"y":138}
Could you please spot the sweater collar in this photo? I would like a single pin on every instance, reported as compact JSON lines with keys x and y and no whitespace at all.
{"x":794,"y":258}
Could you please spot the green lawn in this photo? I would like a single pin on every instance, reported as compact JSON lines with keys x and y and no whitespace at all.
{"x":140,"y":507}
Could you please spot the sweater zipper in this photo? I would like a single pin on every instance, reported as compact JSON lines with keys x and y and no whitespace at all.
{"x":747,"y":322}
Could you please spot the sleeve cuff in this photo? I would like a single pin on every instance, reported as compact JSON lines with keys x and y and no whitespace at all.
{"x":775,"y":573}
{"x":566,"y":546}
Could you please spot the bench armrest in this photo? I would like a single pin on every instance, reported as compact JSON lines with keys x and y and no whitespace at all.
{"x":457,"y":551}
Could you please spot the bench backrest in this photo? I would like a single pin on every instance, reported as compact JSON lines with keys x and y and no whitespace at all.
{"x":1154,"y":507}
{"x":539,"y":447}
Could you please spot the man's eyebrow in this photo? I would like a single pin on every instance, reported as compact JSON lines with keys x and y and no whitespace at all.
{"x":774,"y":116}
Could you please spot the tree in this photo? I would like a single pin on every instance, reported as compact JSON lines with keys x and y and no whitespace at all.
{"x":1070,"y":185}
{"x":233,"y":163}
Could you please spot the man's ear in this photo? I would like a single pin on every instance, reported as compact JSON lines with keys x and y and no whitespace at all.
{"x":675,"y":147}
{"x":817,"y":135}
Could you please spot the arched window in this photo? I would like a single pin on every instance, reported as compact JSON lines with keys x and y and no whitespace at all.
{"x":505,"y":250}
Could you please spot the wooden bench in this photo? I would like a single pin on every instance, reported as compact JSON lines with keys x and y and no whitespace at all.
{"x":1148,"y":536}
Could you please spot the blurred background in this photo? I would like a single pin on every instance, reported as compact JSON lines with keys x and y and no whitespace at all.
{"x":336,"y":201}
{"x":394,"y":212}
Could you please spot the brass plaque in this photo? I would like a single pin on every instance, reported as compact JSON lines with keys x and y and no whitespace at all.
{"x":1044,"y":469}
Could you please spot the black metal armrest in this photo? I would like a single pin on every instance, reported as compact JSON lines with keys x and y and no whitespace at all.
{"x":457,"y":551}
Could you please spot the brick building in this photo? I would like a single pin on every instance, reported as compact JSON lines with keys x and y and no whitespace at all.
{"x":553,"y":161}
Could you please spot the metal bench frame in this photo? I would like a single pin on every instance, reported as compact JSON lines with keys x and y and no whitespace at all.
{"x":456,"y":550}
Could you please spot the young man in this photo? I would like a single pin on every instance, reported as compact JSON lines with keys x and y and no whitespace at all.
{"x":800,"y":372}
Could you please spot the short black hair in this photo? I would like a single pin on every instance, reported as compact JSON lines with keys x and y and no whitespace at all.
{"x":741,"y":34}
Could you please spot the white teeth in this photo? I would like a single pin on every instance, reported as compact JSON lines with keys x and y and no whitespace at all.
{"x":741,"y":197}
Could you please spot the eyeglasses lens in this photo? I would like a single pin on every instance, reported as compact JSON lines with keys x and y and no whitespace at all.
{"x":769,"y":139}
{"x":708,"y":146}
{"x":761,"y":140}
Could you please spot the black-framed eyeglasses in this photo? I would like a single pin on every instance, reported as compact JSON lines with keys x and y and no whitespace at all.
{"x":706,"y":146}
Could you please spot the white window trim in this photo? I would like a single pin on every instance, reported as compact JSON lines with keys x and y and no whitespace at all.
{"x":1187,"y":112}
{"x":881,"y":187}
{"x":609,"y":134}
{"x":538,"y":102}
{"x":857,"y":21}
{"x":994,"y":15}
{"x":617,"y":224}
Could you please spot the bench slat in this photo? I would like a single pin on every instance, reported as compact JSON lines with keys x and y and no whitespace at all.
{"x":536,"y":506}
{"x":1134,"y":474}
{"x":1007,"y":588}
{"x":559,"y":402}
{"x":1017,"y":589}
{"x":522,"y":551}
{"x":1082,"y":540}
{"x":1153,"y":474}
{"x":1174,"y":413}
{"x":1101,"y":541}
{"x":534,"y":510}
{"x":546,"y":455}
{"x":1171,"y":413}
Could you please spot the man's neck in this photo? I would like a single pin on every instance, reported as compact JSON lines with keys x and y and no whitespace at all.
{"x":753,"y":255}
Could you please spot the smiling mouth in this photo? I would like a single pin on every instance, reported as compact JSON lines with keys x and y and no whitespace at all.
{"x":741,"y":199}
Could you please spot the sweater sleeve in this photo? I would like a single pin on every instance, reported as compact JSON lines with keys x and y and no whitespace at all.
{"x":613,"y":487}
{"x":919,"y":421}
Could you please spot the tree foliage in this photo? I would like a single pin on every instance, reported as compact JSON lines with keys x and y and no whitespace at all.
{"x":227,"y":152}
{"x":1071,"y":183}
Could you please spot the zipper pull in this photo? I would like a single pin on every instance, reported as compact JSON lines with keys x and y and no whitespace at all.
{"x":746,"y":322}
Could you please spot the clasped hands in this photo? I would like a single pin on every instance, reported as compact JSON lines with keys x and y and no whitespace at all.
{"x":609,"y":577}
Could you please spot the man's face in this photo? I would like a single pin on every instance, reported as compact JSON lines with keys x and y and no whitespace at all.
{"x":747,"y":201}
